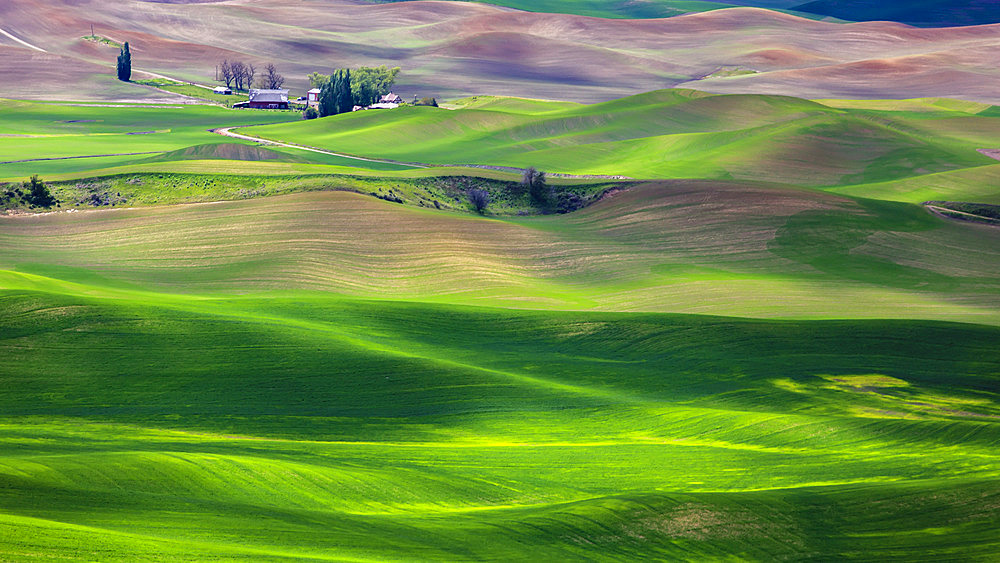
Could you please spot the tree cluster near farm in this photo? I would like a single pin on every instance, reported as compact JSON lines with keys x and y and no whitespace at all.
{"x":238,"y":74}
{"x":588,"y":281}
{"x":341,"y":91}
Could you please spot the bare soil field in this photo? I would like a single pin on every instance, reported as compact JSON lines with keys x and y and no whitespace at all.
{"x":451,"y":49}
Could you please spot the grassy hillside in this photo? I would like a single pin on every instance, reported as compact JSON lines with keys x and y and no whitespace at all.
{"x":695,"y":247}
{"x":928,"y":13}
{"x":682,"y":134}
{"x":60,"y":138}
{"x":295,"y":378}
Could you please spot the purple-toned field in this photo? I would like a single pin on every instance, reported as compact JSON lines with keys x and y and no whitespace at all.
{"x":452,"y":48}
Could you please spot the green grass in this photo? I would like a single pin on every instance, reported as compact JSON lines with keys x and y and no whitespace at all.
{"x":307,"y":426}
{"x":688,"y":369}
{"x":443,"y":192}
{"x":194,"y":91}
{"x":856,"y":148}
{"x":103,"y":40}
{"x":736,"y":249}
{"x":75,"y":139}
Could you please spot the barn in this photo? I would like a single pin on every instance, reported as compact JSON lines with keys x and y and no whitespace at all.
{"x":265,"y":99}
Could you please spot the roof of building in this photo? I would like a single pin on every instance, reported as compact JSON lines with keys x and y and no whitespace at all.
{"x":314,"y":91}
{"x":272,"y":96}
{"x":390,"y":97}
{"x":383,"y":105}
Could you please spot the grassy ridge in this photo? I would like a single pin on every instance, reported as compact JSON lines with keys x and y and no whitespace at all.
{"x":681,"y":134}
{"x":927,"y":13}
{"x":444,"y":189}
{"x":736,"y":249}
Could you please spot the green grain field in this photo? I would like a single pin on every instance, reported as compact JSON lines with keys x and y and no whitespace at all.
{"x":763,"y":349}
{"x":682,"y":371}
{"x":54,"y":139}
{"x":901,"y":151}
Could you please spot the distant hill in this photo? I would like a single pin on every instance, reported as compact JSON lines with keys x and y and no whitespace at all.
{"x":923,"y":13}
{"x":627,"y":9}
{"x":463,"y":49}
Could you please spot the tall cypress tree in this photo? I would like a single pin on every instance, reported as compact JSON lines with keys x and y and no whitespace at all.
{"x":346,"y":99}
{"x":338,"y":81}
{"x":125,"y":64}
{"x":328,"y":98}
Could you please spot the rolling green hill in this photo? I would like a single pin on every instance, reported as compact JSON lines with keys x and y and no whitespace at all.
{"x":927,"y":13}
{"x":338,"y":363}
{"x":693,"y":247}
{"x":70,"y":138}
{"x":303,"y":378}
{"x":679,"y":134}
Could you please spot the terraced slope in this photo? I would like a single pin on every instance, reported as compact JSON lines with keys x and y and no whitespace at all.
{"x":690,"y":134}
{"x":207,"y":382}
{"x":695,"y":247}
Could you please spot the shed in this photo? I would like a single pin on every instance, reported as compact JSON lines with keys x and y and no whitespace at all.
{"x":222,"y":90}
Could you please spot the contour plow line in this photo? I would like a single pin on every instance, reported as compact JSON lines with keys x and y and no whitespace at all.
{"x":22,"y":42}
{"x":227,"y":131}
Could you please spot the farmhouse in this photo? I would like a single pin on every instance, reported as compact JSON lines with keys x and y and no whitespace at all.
{"x":222,"y":90}
{"x":265,"y":99}
{"x":391,"y":98}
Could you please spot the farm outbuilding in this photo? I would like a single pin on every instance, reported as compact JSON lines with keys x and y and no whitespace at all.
{"x":312,"y":96}
{"x":265,"y":99}
{"x":223,"y":91}
{"x":391,"y":98}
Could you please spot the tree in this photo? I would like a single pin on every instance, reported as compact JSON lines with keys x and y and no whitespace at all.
{"x":271,"y":79}
{"x":317,"y":80}
{"x":534,"y":181}
{"x":345,"y":100}
{"x":249,"y":71}
{"x":368,"y":84}
{"x":432,"y":102}
{"x":226,"y":68}
{"x":479,"y":199}
{"x":310,"y":113}
{"x":125,"y":64}
{"x":239,"y":73}
{"x":328,"y":99}
{"x":38,"y":193}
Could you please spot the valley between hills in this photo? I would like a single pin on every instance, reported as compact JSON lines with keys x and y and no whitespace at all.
{"x":718,"y":286}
